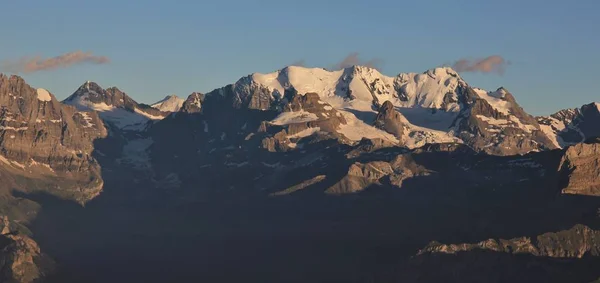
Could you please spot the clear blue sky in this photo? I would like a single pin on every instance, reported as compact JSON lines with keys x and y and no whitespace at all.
{"x":162,"y":47}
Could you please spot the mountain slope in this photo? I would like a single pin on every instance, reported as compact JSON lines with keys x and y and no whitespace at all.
{"x":114,"y":106}
{"x":437,"y":106}
{"x":171,"y":103}
{"x":570,"y":126}
{"x":47,"y":143}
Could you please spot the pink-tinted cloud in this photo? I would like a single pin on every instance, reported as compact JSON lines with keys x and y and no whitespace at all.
{"x":37,"y":63}
{"x":491,"y":64}
{"x":354,"y":60}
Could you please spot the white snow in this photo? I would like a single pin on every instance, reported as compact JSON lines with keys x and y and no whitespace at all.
{"x":171,"y":103}
{"x":286,"y":118}
{"x":512,"y":122}
{"x":426,"y":118}
{"x":429,"y":89}
{"x":418,"y":137}
{"x":87,"y":119}
{"x":495,"y":99}
{"x":428,"y":101}
{"x":43,"y":95}
{"x":305,"y":133}
{"x":148,"y":115}
{"x":549,"y":132}
{"x":13,"y":128}
{"x":355,"y":129}
{"x":119,"y":117}
{"x":35,"y":163}
{"x":11,"y":162}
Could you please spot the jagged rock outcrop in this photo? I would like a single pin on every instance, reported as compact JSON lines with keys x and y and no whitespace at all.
{"x":304,"y":115}
{"x":321,"y":114}
{"x":245,"y":94}
{"x":21,"y":260}
{"x":363,"y":175}
{"x":369,"y":145}
{"x":501,"y":128}
{"x":570,"y":126}
{"x":579,"y":170}
{"x":193,"y":104}
{"x":277,"y":143}
{"x":390,"y":120}
{"x":47,"y":143}
{"x":577,"y":242}
{"x":114,"y":107}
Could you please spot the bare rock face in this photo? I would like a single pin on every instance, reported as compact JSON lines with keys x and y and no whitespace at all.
{"x":245,"y":94}
{"x":508,"y":132}
{"x":114,"y":106}
{"x":277,"y":143}
{"x":48,"y":143}
{"x":575,"y":125}
{"x":304,"y":115}
{"x":193,"y":104}
{"x":21,"y":260}
{"x":369,"y":145}
{"x":360,"y":176}
{"x":390,"y":120}
{"x":328,"y":119}
{"x":576,"y":242}
{"x":580,"y":170}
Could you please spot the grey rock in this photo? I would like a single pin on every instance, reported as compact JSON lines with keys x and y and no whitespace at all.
{"x":48,"y":143}
{"x":576,"y":242}
{"x":579,"y":169}
{"x":21,"y":260}
{"x":390,"y":120}
{"x":193,"y":104}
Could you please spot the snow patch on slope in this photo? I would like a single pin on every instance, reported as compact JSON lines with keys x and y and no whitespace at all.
{"x":301,"y":116}
{"x":305,"y":133}
{"x":171,"y":103}
{"x":355,"y":129}
{"x":121,"y":118}
{"x":498,"y":124}
{"x":495,"y":99}
{"x":147,"y":115}
{"x":429,"y":89}
{"x":43,"y":95}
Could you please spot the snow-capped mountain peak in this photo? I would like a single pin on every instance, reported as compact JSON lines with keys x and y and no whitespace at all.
{"x":171,"y":103}
{"x":438,"y":105}
{"x":114,"y":106}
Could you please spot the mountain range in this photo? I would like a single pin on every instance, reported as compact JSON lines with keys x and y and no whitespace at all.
{"x":372,"y":177}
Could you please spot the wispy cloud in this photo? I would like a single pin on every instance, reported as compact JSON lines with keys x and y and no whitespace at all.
{"x":353,"y":59}
{"x":491,"y":64}
{"x":37,"y":63}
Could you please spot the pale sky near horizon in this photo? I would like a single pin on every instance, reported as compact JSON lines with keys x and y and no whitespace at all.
{"x":163,"y":47}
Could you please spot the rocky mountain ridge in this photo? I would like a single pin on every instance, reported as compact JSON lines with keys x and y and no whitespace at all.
{"x":306,"y":135}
